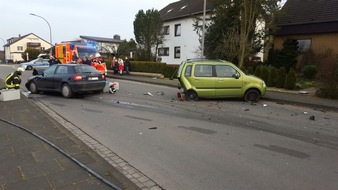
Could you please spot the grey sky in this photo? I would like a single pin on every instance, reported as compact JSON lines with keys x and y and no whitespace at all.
{"x":71,"y":18}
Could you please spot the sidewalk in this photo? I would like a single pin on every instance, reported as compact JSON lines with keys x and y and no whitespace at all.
{"x":27,"y":162}
{"x":287,"y":97}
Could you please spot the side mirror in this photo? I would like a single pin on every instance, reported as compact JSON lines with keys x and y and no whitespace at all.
{"x":236,"y":76}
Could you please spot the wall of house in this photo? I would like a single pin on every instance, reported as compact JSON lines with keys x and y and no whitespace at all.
{"x":13,"y":53}
{"x":318,"y":41}
{"x":188,"y":41}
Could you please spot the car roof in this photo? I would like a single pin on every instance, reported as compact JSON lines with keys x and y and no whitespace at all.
{"x":207,"y":61}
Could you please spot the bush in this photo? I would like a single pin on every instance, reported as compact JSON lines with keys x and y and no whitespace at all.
{"x":290,"y":81}
{"x":272,"y":77}
{"x":310,"y":71}
{"x":149,"y":67}
{"x":258,"y":71}
{"x":250,"y":70}
{"x":265,"y":74}
{"x":280,"y":78}
{"x":329,"y":87}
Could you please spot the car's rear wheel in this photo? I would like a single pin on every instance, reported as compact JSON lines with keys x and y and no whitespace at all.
{"x":251,"y":96}
{"x":191,"y":95}
{"x":66,"y":91}
{"x":33,"y":88}
{"x":29,"y":67}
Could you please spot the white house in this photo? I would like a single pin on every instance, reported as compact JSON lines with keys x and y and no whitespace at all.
{"x":181,"y":41}
{"x":17,"y":45}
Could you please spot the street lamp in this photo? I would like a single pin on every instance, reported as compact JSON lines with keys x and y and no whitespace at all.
{"x":50,"y":30}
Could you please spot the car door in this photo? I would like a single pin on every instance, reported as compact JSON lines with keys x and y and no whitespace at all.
{"x":46,"y":81}
{"x":61,"y":74}
{"x":203,"y":80}
{"x":228,"y":82}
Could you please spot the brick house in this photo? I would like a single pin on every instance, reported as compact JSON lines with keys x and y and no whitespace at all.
{"x":314,"y":23}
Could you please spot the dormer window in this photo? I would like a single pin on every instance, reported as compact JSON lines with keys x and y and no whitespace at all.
{"x":169,"y":10}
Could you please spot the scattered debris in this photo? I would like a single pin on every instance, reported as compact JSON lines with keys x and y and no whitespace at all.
{"x":315,"y":140}
{"x":264,"y":105}
{"x":312,"y":118}
{"x":148,"y":93}
{"x":253,"y":104}
{"x":305,"y":113}
{"x":247,"y":110}
{"x":160,"y":93}
{"x":154,"y":77}
{"x":303,"y":92}
{"x":152,"y":127}
{"x":320,"y":109}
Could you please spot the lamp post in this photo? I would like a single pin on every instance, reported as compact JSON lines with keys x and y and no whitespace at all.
{"x":50,"y":30}
{"x":203,"y":27}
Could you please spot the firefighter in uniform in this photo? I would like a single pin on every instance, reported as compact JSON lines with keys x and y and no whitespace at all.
{"x":13,"y":80}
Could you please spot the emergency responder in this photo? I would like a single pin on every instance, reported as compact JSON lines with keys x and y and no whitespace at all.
{"x":53,"y":61}
{"x":13,"y":80}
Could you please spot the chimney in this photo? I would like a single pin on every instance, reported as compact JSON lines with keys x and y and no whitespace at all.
{"x":117,"y":37}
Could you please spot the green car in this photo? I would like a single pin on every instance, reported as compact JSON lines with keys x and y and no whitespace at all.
{"x":217,"y":79}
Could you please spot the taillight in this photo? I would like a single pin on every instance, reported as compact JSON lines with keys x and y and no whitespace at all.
{"x":103,"y":77}
{"x":77,"y":77}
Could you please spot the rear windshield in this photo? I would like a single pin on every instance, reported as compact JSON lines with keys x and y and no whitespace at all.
{"x":85,"y":69}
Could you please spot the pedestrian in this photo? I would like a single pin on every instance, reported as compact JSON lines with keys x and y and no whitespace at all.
{"x":52,"y":60}
{"x":13,"y":80}
{"x":75,"y":57}
{"x":78,"y":60}
{"x":116,"y":66}
{"x":113,"y":62}
{"x":85,"y":60}
{"x":126,"y":65}
{"x":121,"y":66}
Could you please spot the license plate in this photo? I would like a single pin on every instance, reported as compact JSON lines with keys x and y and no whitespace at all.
{"x":93,"y":78}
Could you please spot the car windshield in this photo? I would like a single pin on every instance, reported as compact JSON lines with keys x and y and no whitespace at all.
{"x":85,"y":69}
{"x":85,"y":51}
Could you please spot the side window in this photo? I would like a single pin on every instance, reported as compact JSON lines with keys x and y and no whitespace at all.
{"x":61,"y":70}
{"x":203,"y":71}
{"x":187,"y":72}
{"x":49,"y":71}
{"x":225,"y":71}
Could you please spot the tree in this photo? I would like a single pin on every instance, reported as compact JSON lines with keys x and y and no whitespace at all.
{"x":148,"y":31}
{"x":234,"y":31}
{"x":287,"y":56}
{"x":126,"y":47}
{"x":32,"y":54}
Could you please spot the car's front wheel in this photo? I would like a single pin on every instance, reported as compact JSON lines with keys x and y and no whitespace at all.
{"x":191,"y":95}
{"x":29,"y":67}
{"x":66,"y":91}
{"x":33,"y":88}
{"x":251,"y":95}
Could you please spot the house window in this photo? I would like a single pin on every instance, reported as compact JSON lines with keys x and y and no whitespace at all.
{"x":20,"y":48}
{"x":163,"y":51}
{"x":304,"y":45}
{"x":178,"y":30}
{"x":177,"y":52}
{"x":165,"y":30}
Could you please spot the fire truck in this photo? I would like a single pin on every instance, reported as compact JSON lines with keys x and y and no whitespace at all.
{"x":65,"y":52}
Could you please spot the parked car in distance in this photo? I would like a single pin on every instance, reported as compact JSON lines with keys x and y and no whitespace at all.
{"x":36,"y":63}
{"x":218,"y":79}
{"x":67,"y":79}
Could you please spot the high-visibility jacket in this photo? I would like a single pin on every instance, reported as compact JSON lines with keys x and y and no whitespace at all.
{"x":13,"y":80}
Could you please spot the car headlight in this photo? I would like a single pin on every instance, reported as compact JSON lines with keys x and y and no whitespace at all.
{"x":263,"y":84}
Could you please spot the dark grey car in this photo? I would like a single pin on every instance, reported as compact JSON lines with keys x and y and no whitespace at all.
{"x":67,"y":79}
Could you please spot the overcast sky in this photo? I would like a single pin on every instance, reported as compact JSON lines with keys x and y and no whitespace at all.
{"x":71,"y":18}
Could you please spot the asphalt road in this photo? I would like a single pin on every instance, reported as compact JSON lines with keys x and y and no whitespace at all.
{"x":210,"y":144}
